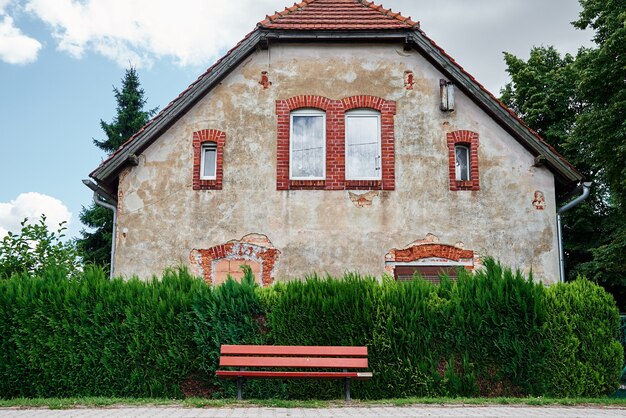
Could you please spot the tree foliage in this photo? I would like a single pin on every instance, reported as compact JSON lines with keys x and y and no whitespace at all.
{"x":95,"y":243}
{"x":130,"y":116}
{"x":578,"y":104}
{"x":36,"y":249}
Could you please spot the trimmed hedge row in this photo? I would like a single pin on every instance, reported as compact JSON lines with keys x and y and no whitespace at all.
{"x":491,"y":333}
{"x":96,"y":337}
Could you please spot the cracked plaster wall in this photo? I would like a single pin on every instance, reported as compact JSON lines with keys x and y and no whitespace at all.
{"x":324,"y":230}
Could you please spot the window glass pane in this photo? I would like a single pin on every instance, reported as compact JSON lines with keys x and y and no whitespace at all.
{"x":307,"y":146}
{"x":462,"y":162}
{"x":362,"y":147}
{"x":209,"y":154}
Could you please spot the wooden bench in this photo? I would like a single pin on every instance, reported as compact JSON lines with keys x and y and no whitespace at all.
{"x":264,"y":357}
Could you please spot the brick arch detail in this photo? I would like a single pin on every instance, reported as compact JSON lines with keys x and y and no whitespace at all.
{"x":335,"y":142}
{"x":418,"y":252}
{"x":309,"y":101}
{"x":421,"y":250}
{"x":252,"y":247}
{"x":470,"y":139}
{"x":199,"y":138}
{"x":371,"y":102}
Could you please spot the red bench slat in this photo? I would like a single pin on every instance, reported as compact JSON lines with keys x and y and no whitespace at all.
{"x":321,"y":362}
{"x":289,"y":350}
{"x":293,"y":375}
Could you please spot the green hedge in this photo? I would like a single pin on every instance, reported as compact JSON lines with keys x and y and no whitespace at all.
{"x":491,"y":333}
{"x":96,"y":337}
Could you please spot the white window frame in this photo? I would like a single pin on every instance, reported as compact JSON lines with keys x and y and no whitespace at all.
{"x":457,"y":170}
{"x":307,"y":112}
{"x":203,"y":147}
{"x":361,"y":113}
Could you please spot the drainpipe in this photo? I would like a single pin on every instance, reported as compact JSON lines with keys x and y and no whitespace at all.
{"x":98,"y":194}
{"x":585,"y":193}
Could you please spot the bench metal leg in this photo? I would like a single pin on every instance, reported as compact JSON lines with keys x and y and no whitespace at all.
{"x":348,"y":389}
{"x":239,"y":387}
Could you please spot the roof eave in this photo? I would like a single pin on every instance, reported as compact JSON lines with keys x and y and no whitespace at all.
{"x":110,"y":168}
{"x":566,"y":174}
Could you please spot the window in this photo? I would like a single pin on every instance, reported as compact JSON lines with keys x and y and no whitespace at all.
{"x":363,"y":150}
{"x":429,"y":273}
{"x":307,"y":145}
{"x":315,"y":150}
{"x":208,"y":164}
{"x":208,"y":159}
{"x":462,"y":162}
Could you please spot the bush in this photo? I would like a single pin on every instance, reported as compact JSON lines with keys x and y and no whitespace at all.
{"x":583,"y":355}
{"x":229,"y":314}
{"x":36,"y":249}
{"x":491,"y":333}
{"x":480,"y":336}
{"x":96,"y":337}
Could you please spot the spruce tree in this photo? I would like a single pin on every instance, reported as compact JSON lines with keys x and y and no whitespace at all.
{"x":95,"y":243}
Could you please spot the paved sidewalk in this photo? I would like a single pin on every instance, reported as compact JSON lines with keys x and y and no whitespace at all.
{"x":366,"y":412}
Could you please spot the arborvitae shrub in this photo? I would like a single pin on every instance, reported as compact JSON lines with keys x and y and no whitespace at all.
{"x":491,"y":333}
{"x":96,"y":337}
{"x":583,"y":355}
{"x":478,"y":336}
{"x":230,"y":314}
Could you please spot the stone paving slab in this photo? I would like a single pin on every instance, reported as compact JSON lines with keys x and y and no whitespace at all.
{"x":451,"y":411}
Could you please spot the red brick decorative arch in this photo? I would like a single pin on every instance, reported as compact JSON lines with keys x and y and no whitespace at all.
{"x":335,"y":142}
{"x":427,"y":253}
{"x":469,"y":139}
{"x":432,"y":250}
{"x":253,"y":248}
{"x":200,"y":137}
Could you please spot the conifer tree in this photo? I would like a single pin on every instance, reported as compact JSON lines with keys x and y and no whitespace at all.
{"x":95,"y":243}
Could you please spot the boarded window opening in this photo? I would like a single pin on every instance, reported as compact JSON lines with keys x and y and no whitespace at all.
{"x":429,"y":273}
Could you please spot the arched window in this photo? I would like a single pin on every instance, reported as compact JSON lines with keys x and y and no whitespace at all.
{"x":363,"y":147}
{"x":463,"y":160}
{"x":307,"y":147}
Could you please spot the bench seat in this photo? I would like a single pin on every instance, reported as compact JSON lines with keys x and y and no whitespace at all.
{"x":273,"y":357}
{"x":293,"y":375}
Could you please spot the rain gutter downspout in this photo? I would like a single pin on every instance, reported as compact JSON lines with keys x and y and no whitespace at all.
{"x":586,"y":189}
{"x":98,"y":194}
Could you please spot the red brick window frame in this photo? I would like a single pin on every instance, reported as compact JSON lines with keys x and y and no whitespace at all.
{"x":468,"y":139}
{"x":202,"y":137}
{"x":335,"y":142}
{"x":387,"y":110}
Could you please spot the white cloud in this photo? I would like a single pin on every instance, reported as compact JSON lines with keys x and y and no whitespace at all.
{"x":32,"y":205}
{"x":193,"y":32}
{"x":15,"y":47}
{"x":3,"y":5}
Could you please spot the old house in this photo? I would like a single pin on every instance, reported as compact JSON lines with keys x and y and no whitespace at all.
{"x":335,"y":136}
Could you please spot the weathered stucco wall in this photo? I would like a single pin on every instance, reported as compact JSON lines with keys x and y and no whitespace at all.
{"x":162,"y":219}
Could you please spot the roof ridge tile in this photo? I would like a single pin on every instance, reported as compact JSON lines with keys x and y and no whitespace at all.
{"x":323,"y":14}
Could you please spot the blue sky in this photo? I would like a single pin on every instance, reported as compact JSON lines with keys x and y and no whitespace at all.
{"x":59,"y":60}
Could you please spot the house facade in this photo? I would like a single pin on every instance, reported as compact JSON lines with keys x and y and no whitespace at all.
{"x":335,"y":137}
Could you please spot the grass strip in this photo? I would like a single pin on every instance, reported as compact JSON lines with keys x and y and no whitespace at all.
{"x":104,"y":402}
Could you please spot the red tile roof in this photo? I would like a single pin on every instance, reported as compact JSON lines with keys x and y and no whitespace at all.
{"x":337,"y":15}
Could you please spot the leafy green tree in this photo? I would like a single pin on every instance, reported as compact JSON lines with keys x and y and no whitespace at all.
{"x":95,"y":243}
{"x":36,"y":249}
{"x":578,"y":105}
{"x":543,"y":92}
{"x":601,"y":132}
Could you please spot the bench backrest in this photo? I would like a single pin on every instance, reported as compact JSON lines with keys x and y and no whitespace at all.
{"x":331,"y":357}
